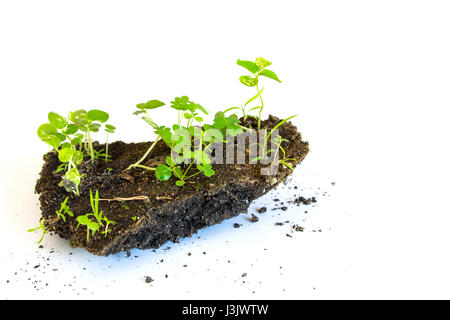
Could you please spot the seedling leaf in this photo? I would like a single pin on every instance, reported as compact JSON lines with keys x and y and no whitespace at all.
{"x":262,"y":63}
{"x":248,"y":81}
{"x":97,"y":115}
{"x":269,"y":74}
{"x":57,"y":121}
{"x":163,"y":172}
{"x":249,"y":65}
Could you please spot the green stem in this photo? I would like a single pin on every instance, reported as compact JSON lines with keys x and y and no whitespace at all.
{"x":138,"y":163}
{"x":106,"y":158}
{"x":185,"y":172}
{"x":91,"y":148}
{"x":144,"y":167}
{"x":262,"y":105}
{"x":192,"y":175}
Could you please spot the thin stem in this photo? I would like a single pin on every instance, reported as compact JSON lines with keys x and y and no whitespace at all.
{"x":184,"y":174}
{"x":262,"y":104}
{"x":245,"y":128}
{"x":106,"y":158}
{"x":91,"y":148}
{"x":144,"y":167}
{"x":192,"y":175}
{"x":137,"y":164}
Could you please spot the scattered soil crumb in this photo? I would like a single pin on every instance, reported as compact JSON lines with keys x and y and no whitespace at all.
{"x":148,"y":279}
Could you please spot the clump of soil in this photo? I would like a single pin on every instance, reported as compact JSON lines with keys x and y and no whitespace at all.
{"x":168,"y":212}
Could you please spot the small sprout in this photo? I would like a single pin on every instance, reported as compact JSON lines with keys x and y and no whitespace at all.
{"x":94,"y":226}
{"x":134,"y":218}
{"x":108,"y":222}
{"x":257,"y":68}
{"x":142,"y":109}
{"x":88,"y":122}
{"x":61,"y":167}
{"x":265,"y":152}
{"x":65,"y":209}
{"x":109,"y":129}
{"x":42,"y":228}
{"x":91,"y":226}
{"x":125,"y":206}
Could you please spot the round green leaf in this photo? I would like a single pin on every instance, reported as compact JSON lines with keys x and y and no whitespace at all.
{"x":177,"y":172}
{"x":66,"y":145}
{"x":56,"y":120}
{"x":110,"y":128}
{"x":97,"y":115}
{"x":53,"y":141}
{"x":180,"y":183}
{"x":71,"y":129}
{"x":46,"y":129}
{"x":65,"y":154}
{"x":77,"y":157}
{"x":220,"y":123}
{"x":163,"y":172}
{"x":152,"y":104}
{"x":209,"y":172}
{"x":83,"y":220}
{"x":76,"y":140}
{"x":170,"y":161}
{"x":94,"y":127}
{"x":248,"y":81}
{"x":79,"y":117}
{"x":94,"y":226}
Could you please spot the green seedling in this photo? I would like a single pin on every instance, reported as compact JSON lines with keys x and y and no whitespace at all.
{"x":109,"y":129}
{"x":63,"y":137}
{"x":91,"y":226}
{"x":287,"y":162}
{"x":108,"y":222}
{"x":101,"y":154}
{"x":143,"y":110}
{"x":257,"y":68}
{"x":64,"y":210}
{"x":98,"y":214}
{"x":88,"y":122}
{"x":264,"y":152}
{"x":42,"y":228}
{"x":178,"y":138}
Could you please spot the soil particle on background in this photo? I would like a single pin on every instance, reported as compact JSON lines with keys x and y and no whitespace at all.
{"x":262,"y":210}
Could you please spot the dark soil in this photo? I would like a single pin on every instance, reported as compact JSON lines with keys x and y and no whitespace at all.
{"x":170,"y":212}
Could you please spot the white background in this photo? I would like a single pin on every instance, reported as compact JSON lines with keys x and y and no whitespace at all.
{"x":369,"y":81}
